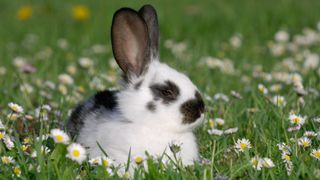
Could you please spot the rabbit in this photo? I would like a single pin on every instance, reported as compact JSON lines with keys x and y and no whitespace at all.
{"x":155,"y":106}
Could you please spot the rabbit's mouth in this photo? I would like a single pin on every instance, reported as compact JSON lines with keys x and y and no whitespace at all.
{"x":192,"y":109}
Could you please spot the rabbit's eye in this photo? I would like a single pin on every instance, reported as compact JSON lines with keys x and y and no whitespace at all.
{"x":167,"y":93}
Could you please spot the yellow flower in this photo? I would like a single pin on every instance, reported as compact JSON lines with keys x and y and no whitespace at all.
{"x":17,"y":171}
{"x":80,"y":12}
{"x":24,"y":13}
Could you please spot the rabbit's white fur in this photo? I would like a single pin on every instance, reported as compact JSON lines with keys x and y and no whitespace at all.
{"x":133,"y":126}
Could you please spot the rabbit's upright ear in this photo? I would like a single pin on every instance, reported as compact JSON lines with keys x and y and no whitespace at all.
{"x":149,"y":15}
{"x":130,"y":42}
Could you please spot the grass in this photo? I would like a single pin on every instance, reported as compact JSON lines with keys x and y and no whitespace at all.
{"x":205,"y":28}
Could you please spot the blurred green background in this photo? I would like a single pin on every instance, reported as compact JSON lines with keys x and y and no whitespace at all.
{"x":205,"y":26}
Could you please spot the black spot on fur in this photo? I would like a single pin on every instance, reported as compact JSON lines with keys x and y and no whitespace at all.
{"x":75,"y":121}
{"x":151,"y":106}
{"x":168,"y":92}
{"x":192,"y":109}
{"x":137,"y":85}
{"x":106,"y":99}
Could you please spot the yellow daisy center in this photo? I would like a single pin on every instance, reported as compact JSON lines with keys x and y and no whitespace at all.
{"x":5,"y":160}
{"x":26,"y":140}
{"x":317,"y":154}
{"x":280,"y":101}
{"x":254,"y":162}
{"x":15,"y":108}
{"x":138,"y":160}
{"x":24,"y":147}
{"x":105,"y":163}
{"x":306,"y":144}
{"x":59,"y":138}
{"x":287,"y":157}
{"x":243,"y":145}
{"x":1,"y":135}
{"x":76,"y":153}
{"x":296,"y":120}
{"x":17,"y":171}
{"x":211,"y":123}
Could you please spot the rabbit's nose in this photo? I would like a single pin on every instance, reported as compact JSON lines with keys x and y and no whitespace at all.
{"x":200,"y":103}
{"x":201,"y":106}
{"x":192,"y":109}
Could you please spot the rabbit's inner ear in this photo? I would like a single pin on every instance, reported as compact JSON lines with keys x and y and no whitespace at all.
{"x":149,"y":15}
{"x":130,"y":41}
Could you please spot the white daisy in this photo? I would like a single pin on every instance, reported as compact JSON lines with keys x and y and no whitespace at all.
{"x":282,"y":36}
{"x":279,"y":101}
{"x":1,"y":125}
{"x":95,"y":161}
{"x":262,"y":89}
{"x":284,"y":148}
{"x":105,"y":161}
{"x":7,"y":159}
{"x":85,"y":62}
{"x":297,"y":119}
{"x":215,"y":132}
{"x":294,"y":128}
{"x":8,"y":142}
{"x":286,"y":157}
{"x":221,"y":96}
{"x":17,"y":171}
{"x":316,"y":119}
{"x":15,"y":107}
{"x":242,"y":145}
{"x":13,"y":116}
{"x":310,"y":134}
{"x":315,"y":153}
{"x":2,"y":134}
{"x":219,"y":121}
{"x":138,"y":159}
{"x":231,"y":130}
{"x":304,"y":142}
{"x":211,"y":123}
{"x":65,"y":79}
{"x":276,"y":88}
{"x":256,"y":163}
{"x":44,"y":150}
{"x":267,"y":163}
{"x":76,"y":152}
{"x":59,"y":136}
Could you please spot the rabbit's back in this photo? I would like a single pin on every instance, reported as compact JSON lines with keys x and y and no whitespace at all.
{"x":98,"y":105}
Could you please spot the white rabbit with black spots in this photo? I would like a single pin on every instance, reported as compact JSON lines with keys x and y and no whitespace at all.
{"x":156,"y":105}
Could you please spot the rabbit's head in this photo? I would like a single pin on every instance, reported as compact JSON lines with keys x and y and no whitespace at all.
{"x":153,"y":93}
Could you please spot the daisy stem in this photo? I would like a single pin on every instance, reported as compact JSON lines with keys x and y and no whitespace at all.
{"x":57,"y":170}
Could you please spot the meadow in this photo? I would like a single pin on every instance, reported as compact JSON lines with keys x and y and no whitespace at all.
{"x":256,"y":63}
